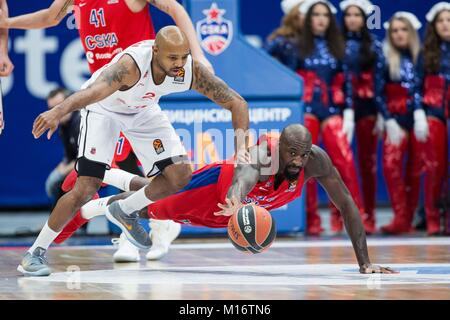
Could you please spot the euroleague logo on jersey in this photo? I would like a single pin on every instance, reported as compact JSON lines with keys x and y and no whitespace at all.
{"x":214,"y":31}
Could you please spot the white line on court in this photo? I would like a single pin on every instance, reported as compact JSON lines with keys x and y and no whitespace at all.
{"x":300,"y":244}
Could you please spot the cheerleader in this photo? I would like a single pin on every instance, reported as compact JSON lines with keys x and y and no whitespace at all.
{"x":365,"y":61}
{"x":436,"y":101}
{"x":328,"y":101}
{"x":405,"y":119}
{"x":282,"y":44}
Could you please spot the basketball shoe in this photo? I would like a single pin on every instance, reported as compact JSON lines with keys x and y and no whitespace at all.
{"x":162,"y":234}
{"x":35,"y":264}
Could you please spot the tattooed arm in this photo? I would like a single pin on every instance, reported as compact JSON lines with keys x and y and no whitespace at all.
{"x":218,"y":91}
{"x":320,"y":167}
{"x":45,"y":18}
{"x":183,"y":21}
{"x":118,"y":76}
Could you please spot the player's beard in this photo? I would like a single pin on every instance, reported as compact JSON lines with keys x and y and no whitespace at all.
{"x":291,"y":176}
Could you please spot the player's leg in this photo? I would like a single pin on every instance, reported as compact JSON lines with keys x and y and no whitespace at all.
{"x":126,"y":160}
{"x":118,"y":178}
{"x":341,"y":155}
{"x":167,"y":159}
{"x":95,"y":153}
{"x":367,"y":142}
{"x":313,"y":221}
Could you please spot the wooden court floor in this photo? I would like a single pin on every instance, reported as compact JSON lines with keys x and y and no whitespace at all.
{"x":203,"y":270}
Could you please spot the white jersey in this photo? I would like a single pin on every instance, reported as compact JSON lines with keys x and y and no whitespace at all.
{"x":145,"y":93}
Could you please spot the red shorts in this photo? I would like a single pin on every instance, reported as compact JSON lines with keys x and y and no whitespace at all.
{"x":197,"y":202}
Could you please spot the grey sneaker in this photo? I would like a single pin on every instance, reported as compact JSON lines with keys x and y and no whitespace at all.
{"x":129,"y":224}
{"x":35,"y":264}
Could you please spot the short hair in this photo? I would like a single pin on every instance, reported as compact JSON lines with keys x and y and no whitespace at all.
{"x":55,"y":92}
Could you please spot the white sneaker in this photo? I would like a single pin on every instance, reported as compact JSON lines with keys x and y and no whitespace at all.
{"x":162,"y":233}
{"x":127,"y":252}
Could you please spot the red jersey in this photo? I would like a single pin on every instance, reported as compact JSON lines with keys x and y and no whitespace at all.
{"x":197,"y":202}
{"x":108,"y":27}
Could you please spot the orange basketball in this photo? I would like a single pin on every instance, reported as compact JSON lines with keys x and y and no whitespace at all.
{"x":251,"y":229}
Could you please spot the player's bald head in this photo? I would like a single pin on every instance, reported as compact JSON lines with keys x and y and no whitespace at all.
{"x":295,"y":148}
{"x":171,"y":37}
{"x":171,"y":50}
{"x":296,"y":134}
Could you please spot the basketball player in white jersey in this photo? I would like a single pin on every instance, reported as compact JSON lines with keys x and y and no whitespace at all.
{"x":123,"y":96}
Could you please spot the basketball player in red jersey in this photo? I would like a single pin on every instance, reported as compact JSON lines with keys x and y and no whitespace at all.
{"x":106,"y":28}
{"x":278,"y":170}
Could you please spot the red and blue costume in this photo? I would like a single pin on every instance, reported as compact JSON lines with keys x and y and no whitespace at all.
{"x":366,"y":86}
{"x":436,"y":102}
{"x":402,"y":97}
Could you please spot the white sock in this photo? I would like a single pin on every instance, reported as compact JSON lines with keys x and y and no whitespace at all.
{"x":44,"y":239}
{"x":94,"y":208}
{"x":136,"y":201}
{"x":118,"y":178}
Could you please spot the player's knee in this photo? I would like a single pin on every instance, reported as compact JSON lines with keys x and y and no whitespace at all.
{"x":85,"y":189}
{"x":179,"y":176}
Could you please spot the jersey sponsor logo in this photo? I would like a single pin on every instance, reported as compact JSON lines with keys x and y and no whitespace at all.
{"x":104,"y":40}
{"x":180,"y":75}
{"x":158,"y":146}
{"x":112,"y":1}
{"x":93,"y":151}
{"x":82,"y":4}
{"x":215,"y":33}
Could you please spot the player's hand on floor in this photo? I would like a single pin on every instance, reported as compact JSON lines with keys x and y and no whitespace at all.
{"x":372,"y":268}
{"x":48,"y":120}
{"x":229,"y":208}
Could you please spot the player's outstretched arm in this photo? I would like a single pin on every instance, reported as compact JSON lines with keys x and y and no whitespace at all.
{"x":45,"y":18}
{"x":218,"y":91}
{"x":184,"y":22}
{"x":120,"y":75}
{"x":321,"y":168}
{"x":6,"y":66}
